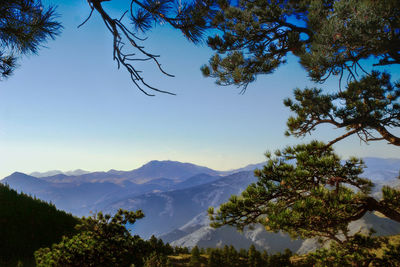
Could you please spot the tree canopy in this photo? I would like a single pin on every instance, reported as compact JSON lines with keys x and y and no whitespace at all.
{"x":306,"y":190}
{"x":102,"y":240}
{"x":330,"y":38}
{"x":27,"y":224}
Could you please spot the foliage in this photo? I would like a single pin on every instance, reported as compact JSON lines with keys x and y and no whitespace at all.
{"x":228,"y":256}
{"x":24,"y":26}
{"x":391,"y":256}
{"x":27,"y":224}
{"x":158,"y":245}
{"x":195,"y":257}
{"x":367,"y":107}
{"x":360,"y":249}
{"x":157,"y":260}
{"x":215,"y":259}
{"x":305,"y":190}
{"x":280,"y":259}
{"x":254,"y":257}
{"x":102,"y":240}
{"x":357,"y":249}
{"x":329,"y":37}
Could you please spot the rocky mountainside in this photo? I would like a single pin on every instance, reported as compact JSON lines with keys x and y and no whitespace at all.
{"x":168,"y":210}
{"x":175,"y":196}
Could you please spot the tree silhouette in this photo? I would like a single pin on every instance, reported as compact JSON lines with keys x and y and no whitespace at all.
{"x":24,"y":26}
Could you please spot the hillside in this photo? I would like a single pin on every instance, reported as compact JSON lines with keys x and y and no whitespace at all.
{"x":27,"y":224}
{"x":174,"y":197}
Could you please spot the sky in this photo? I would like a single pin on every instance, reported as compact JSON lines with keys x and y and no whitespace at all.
{"x":69,"y":107}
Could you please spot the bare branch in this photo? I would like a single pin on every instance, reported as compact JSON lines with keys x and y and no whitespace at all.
{"x":120,"y":32}
{"x":86,"y":20}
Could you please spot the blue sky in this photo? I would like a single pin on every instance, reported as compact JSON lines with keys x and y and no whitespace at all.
{"x":69,"y":107}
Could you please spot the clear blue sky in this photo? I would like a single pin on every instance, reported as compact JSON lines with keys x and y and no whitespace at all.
{"x":70,"y":107}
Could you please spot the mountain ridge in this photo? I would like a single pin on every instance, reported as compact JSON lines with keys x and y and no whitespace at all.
{"x":175,"y":196}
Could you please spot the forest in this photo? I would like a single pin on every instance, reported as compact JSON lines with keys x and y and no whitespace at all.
{"x":305,"y":190}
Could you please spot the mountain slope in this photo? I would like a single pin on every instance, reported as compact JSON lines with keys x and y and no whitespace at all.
{"x":83,"y":193}
{"x":20,"y":181}
{"x":66,"y":196}
{"x":166,"y":169}
{"x":174,"y":197}
{"x":27,"y":224}
{"x":169,"y":210}
{"x":152,"y":170}
{"x":198,"y":232}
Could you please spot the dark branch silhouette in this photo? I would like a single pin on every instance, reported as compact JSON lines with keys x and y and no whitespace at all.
{"x":192,"y":19}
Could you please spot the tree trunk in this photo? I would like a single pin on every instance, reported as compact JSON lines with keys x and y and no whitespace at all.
{"x":374,"y":205}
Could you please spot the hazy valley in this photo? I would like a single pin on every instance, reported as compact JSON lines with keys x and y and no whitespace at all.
{"x":175,"y":196}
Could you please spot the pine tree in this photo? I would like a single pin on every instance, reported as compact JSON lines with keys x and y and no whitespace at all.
{"x":195,"y":260}
{"x":331,"y":38}
{"x":102,"y":240}
{"x":306,"y":190}
{"x":215,"y":258}
{"x":254,"y":257}
{"x":24,"y":27}
{"x":157,"y":260}
{"x":232,"y":257}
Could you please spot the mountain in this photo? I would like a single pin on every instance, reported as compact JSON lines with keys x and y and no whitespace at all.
{"x":66,"y":196}
{"x":166,"y":211}
{"x":173,"y":170}
{"x":185,"y":209}
{"x":45,"y":174}
{"x":174,"y":197}
{"x":198,"y":233}
{"x":27,"y":224}
{"x":81,"y":194}
{"x":26,"y":183}
{"x":196,"y":180}
{"x":382,"y":172}
{"x":250,"y":167}
{"x":152,"y":170}
{"x":382,"y":163}
{"x":55,"y":172}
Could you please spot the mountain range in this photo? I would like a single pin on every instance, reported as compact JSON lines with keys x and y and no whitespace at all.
{"x":174,"y":197}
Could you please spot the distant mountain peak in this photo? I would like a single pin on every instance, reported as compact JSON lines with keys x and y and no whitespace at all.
{"x":17,"y":173}
{"x":57,"y":172}
{"x":167,"y":163}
